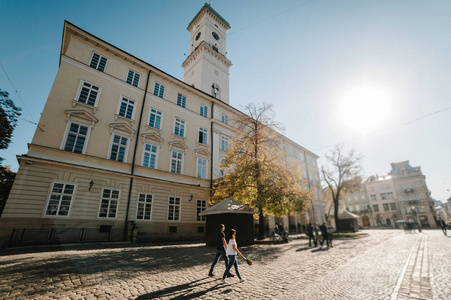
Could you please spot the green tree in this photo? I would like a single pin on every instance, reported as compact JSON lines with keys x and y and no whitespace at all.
{"x":6,"y":182}
{"x":342,"y":175}
{"x":8,"y":119}
{"x":256,"y":172}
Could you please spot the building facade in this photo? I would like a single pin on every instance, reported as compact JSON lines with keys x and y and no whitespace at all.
{"x":123,"y":147}
{"x":402,"y":194}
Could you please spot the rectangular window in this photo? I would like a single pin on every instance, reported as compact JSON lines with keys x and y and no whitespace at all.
{"x":201,"y":168}
{"x":224,"y":143}
{"x":109,"y":203}
{"x":150,"y":156}
{"x":386,"y":207}
{"x":387,"y":186}
{"x":176,"y":162}
{"x":133,"y":78}
{"x":381,"y":187}
{"x":118,"y":148}
{"x":375,"y":208}
{"x":60,"y":199}
{"x":393,"y":206}
{"x":181,"y":100}
{"x":390,"y":195}
{"x":126,"y":108}
{"x":225,"y":119}
{"x":174,"y":209}
{"x":88,"y":94}
{"x":179,"y":127}
{"x":202,"y":136}
{"x":221,"y":171}
{"x":155,"y":118}
{"x":384,"y":196}
{"x":144,"y":211}
{"x":373,"y":197}
{"x":204,"y":111}
{"x":201,"y":206}
{"x":158,"y":90}
{"x":98,"y":62}
{"x":76,"y":138}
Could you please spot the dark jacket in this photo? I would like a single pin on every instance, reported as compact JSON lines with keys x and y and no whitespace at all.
{"x":310,"y":230}
{"x":323,"y":229}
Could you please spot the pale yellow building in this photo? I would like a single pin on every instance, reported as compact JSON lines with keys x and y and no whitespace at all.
{"x":124,"y":149}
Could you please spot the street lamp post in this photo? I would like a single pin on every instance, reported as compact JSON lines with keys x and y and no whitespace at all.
{"x":414,"y":215}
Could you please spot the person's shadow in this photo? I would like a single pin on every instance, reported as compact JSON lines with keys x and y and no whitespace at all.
{"x":183,"y":291}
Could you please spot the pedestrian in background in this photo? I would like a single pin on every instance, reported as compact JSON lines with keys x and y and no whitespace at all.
{"x":232,"y":251}
{"x":221,"y":247}
{"x":315,"y":230}
{"x":310,"y":235}
{"x":442,"y":225}
{"x":325,"y":234}
{"x":330,"y":236}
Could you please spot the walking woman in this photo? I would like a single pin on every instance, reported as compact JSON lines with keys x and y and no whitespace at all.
{"x":232,"y":251}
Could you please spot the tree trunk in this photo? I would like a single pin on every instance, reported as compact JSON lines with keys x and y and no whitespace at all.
{"x":337,"y":220}
{"x":261,"y":224}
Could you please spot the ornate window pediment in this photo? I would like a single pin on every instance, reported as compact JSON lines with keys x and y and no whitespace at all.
{"x":178,"y":144}
{"x":152,"y":137}
{"x":81,"y":116}
{"x":202,"y":152}
{"x":122,"y":128}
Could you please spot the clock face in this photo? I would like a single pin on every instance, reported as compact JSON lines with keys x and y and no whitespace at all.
{"x":215,"y":35}
{"x":197,"y":36}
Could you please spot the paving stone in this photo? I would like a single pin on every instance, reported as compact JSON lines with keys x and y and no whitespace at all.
{"x":367,"y":268}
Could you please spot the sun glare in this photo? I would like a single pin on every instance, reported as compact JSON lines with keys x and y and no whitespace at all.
{"x":365,"y":109}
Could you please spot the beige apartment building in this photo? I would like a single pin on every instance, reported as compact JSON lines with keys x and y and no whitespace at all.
{"x":124,"y":149}
{"x":402,"y":194}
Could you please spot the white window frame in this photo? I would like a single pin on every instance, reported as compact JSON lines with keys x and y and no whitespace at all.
{"x":113,"y":134}
{"x":225,"y":119}
{"x":150,"y":155}
{"x":144,"y":204}
{"x":159,"y":90}
{"x":66,"y":136}
{"x":128,"y":103}
{"x":200,"y":208}
{"x":92,"y":88}
{"x":177,"y":159}
{"x":110,"y":201}
{"x":62,"y":194}
{"x":204,"y":133}
{"x":201,"y":167}
{"x":98,"y":63}
{"x":203,"y":110}
{"x":179,"y":206}
{"x":181,"y":100}
{"x":134,"y":75}
{"x":158,"y":114}
{"x":224,"y":140}
{"x":181,"y":123}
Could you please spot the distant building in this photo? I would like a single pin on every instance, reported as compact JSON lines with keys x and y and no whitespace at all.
{"x":401,"y":194}
{"x":126,"y":149}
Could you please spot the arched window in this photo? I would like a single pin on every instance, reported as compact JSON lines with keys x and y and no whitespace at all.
{"x":215,"y":90}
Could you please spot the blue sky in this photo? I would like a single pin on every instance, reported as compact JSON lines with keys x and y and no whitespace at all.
{"x":304,"y":57}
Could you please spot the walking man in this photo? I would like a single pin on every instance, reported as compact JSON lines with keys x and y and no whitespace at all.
{"x":442,"y":225}
{"x":221,"y":246}
{"x":325,"y":234}
{"x":310,"y":235}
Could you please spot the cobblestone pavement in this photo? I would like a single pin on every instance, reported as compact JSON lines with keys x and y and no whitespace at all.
{"x":388,"y":264}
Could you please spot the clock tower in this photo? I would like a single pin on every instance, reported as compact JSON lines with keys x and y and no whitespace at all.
{"x":207,"y":67}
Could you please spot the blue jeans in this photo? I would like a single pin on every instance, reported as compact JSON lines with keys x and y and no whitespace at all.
{"x":232,"y":262}
{"x":219,"y":253}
